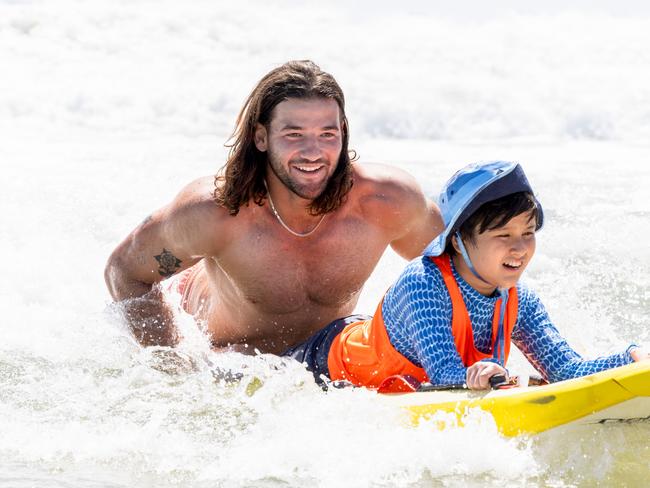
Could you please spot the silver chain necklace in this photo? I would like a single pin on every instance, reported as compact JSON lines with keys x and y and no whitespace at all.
{"x":277,"y":216}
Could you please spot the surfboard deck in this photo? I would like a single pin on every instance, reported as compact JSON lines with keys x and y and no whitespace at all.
{"x":620,"y":394}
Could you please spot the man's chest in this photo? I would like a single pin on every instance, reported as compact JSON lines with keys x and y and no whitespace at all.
{"x":283,"y":273}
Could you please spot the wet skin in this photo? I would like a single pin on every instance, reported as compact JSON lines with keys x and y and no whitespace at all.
{"x":254,"y":282}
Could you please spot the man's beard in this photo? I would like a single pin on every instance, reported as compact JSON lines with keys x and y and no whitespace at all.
{"x":306,"y":191}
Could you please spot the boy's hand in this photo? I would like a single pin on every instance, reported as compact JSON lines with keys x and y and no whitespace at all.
{"x":479,"y":374}
{"x":640,"y":354}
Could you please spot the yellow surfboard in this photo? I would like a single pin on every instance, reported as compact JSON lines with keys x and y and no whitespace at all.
{"x":618,"y":394}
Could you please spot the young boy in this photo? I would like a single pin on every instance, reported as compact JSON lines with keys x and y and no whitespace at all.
{"x":452,"y":314}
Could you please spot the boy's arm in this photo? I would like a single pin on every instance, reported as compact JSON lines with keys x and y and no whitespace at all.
{"x":541,"y":343}
{"x":417,"y":303}
{"x":437,"y":352}
{"x":439,"y":357}
{"x":419,"y":306}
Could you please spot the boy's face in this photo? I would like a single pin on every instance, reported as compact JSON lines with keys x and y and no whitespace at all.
{"x":499,"y":255}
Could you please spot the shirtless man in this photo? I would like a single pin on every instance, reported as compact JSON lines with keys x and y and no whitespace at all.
{"x":281,"y":241}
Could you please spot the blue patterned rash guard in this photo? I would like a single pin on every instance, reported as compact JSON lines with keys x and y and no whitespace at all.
{"x":417,"y":314}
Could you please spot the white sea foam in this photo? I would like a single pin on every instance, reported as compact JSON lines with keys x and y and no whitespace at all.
{"x":134,"y":67}
{"x":107,"y":108}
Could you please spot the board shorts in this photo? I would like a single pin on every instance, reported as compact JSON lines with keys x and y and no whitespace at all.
{"x":313,"y":353}
{"x":181,"y":284}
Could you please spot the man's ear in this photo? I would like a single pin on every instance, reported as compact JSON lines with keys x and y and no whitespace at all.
{"x":260,"y":137}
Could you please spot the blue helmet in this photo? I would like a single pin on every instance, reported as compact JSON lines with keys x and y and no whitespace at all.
{"x":470,"y":188}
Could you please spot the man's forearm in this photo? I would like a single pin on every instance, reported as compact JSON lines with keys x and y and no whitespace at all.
{"x":149,"y":317}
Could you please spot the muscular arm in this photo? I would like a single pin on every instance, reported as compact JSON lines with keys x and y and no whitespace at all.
{"x":422,"y":224}
{"x":411,"y":220}
{"x":169,"y":241}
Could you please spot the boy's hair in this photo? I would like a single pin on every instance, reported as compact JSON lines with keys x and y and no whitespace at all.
{"x":495,"y":214}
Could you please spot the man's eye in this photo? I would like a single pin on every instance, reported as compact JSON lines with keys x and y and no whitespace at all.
{"x":328,"y":135}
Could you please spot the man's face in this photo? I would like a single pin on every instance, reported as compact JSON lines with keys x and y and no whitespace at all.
{"x":303,"y":142}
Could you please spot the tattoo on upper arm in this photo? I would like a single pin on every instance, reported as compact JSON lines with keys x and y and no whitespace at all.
{"x":168,"y":263}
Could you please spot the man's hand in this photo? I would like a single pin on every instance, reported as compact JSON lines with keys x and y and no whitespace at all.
{"x":479,"y":374}
{"x":150,"y":319}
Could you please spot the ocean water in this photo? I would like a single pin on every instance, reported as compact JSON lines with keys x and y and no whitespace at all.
{"x":107,"y":108}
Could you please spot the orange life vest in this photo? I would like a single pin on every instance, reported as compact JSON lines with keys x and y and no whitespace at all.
{"x":363,"y":354}
{"x":461,"y":325}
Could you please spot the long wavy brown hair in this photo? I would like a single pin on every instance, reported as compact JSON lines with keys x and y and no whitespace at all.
{"x":241,"y":179}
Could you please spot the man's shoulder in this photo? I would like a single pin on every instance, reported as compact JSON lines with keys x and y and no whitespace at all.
{"x":198,"y":196}
{"x":393,"y":200}
{"x":379,"y":176}
{"x":195,"y":203}
{"x":197,"y":192}
{"x":195,"y":216}
{"x":386,"y":186}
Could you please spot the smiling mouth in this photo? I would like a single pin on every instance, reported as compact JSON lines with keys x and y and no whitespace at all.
{"x":308,"y":169}
{"x":514,"y":265}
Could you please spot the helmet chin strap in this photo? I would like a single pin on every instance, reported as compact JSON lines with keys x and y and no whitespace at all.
{"x":498,"y":355}
{"x":468,"y":261}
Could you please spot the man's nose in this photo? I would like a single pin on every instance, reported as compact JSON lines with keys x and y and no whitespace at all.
{"x":310,"y":149}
